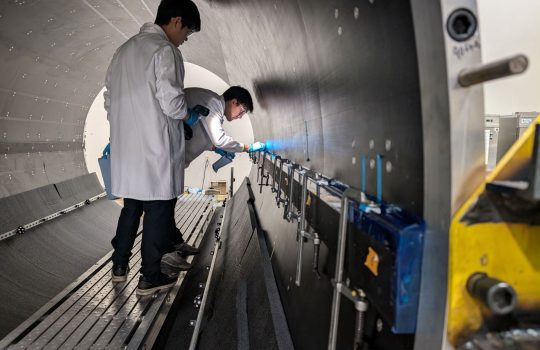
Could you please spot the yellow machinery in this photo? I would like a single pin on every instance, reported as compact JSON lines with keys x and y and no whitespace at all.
{"x":494,"y":267}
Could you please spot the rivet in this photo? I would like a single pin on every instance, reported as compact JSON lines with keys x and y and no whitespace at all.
{"x":354,"y":160}
{"x":339,"y":30}
{"x":388,"y":145}
{"x":388,"y":167}
{"x":372,"y":163}
{"x":371,"y":144}
{"x":356,"y":13}
{"x":336,"y":13}
{"x":379,"y":325}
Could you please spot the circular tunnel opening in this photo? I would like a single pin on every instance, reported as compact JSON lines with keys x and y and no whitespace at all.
{"x":96,"y":136}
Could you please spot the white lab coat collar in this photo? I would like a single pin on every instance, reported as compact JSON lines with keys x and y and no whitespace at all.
{"x":150,"y":27}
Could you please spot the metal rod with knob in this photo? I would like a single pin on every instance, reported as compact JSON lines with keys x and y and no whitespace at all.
{"x":338,"y":275}
{"x":494,"y":70}
{"x":339,"y":287}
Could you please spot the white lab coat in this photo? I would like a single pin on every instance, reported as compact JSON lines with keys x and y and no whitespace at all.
{"x":208,"y":132}
{"x":145,"y":104}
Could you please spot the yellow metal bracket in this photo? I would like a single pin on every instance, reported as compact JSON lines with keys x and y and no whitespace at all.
{"x":508,"y":251}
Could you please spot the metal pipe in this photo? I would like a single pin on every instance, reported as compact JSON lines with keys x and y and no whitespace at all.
{"x":338,"y":276}
{"x":494,"y":70}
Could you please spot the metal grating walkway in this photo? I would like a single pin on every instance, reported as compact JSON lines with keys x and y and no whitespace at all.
{"x":94,"y":313}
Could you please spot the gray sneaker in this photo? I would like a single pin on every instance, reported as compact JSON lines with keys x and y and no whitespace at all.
{"x":175,"y":261}
{"x":185,"y":249}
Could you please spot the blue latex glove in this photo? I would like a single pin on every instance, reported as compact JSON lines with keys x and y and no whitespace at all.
{"x":107,"y":150}
{"x":193,"y":118}
{"x":257,"y":146}
{"x":195,"y":113}
{"x":223,"y":153}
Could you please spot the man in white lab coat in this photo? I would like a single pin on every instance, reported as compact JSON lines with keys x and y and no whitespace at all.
{"x":209,"y":135}
{"x":145,"y":105}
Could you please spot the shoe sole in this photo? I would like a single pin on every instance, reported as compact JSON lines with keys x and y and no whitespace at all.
{"x":184,"y":254}
{"x":149,"y":291}
{"x":176,"y":268}
{"x":118,"y":279}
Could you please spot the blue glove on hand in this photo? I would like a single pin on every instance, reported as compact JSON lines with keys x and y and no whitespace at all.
{"x":257,"y":146}
{"x":223,"y":153}
{"x":195,"y":113}
{"x":107,"y":150}
{"x":193,"y":117}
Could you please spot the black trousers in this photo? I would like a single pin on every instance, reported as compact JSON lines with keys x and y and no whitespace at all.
{"x":159,"y":233}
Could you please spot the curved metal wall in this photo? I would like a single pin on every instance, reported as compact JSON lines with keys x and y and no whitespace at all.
{"x":335,"y":82}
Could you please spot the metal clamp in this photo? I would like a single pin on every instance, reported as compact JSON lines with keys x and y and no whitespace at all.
{"x":357,"y":297}
{"x":280,"y":200}
{"x":302,"y":231}
{"x":288,"y":209}
{"x":273,"y":188}
{"x":262,"y":176}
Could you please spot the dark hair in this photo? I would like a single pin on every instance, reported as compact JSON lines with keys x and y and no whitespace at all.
{"x":241,"y":95}
{"x":179,"y":8}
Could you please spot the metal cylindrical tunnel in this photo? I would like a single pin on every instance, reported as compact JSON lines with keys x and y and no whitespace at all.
{"x":365,"y":93}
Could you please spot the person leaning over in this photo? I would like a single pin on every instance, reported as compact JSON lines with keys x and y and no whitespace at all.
{"x":208,"y":135}
{"x":145,"y":104}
